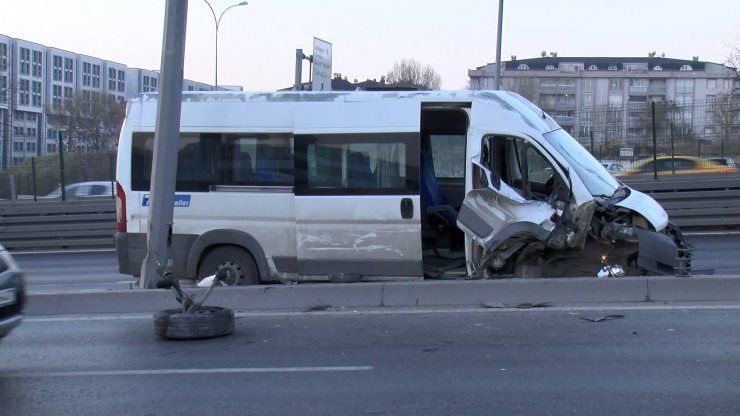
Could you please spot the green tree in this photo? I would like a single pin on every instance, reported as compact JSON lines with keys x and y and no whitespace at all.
{"x":408,"y":72}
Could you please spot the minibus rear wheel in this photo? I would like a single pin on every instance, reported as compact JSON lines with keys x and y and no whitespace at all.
{"x":239,"y":265}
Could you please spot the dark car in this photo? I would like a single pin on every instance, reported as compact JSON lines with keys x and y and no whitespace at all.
{"x":12,"y":293}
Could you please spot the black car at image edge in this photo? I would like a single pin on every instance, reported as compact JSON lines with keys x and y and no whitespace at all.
{"x":12,"y":293}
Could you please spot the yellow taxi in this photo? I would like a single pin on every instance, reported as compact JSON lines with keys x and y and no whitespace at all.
{"x":667,"y":165}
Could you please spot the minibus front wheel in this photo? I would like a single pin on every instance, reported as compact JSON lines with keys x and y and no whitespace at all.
{"x":236,"y":263}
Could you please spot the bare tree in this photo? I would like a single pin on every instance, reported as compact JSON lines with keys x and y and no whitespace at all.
{"x":724,"y":113}
{"x":733,"y":59}
{"x":409,"y":72}
{"x":91,"y":121}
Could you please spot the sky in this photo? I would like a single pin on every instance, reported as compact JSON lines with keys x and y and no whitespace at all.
{"x":257,"y":42}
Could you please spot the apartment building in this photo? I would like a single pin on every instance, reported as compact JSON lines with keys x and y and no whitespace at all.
{"x":565,"y":86}
{"x":35,"y":78}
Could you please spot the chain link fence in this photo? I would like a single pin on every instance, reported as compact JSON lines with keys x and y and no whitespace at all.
{"x":42,"y":178}
{"x":627,"y":134}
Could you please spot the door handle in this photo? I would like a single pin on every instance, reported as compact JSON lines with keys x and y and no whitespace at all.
{"x":407,"y":208}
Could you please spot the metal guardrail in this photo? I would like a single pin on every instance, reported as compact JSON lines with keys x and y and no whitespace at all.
{"x":27,"y":225}
{"x":691,"y":202}
{"x":696,"y":201}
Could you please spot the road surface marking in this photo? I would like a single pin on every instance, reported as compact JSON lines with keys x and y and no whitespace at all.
{"x":175,"y":371}
{"x":398,"y":311}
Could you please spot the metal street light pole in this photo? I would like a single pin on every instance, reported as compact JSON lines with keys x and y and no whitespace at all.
{"x":218,"y":22}
{"x":497,"y":78}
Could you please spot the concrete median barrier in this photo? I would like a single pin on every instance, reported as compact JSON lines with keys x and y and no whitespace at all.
{"x":470,"y":293}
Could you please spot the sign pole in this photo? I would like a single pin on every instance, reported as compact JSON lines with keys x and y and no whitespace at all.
{"x":166,"y":136}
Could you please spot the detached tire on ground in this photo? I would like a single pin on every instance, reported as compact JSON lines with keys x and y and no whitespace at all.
{"x":207,"y":322}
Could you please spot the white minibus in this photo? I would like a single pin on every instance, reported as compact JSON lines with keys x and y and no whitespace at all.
{"x":294,"y":186}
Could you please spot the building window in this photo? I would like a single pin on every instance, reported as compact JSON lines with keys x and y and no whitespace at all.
{"x":36,"y":94}
{"x":593,"y":68}
{"x":69,"y":67}
{"x":86,"y":73}
{"x":56,"y":96}
{"x":145,"y":84}
{"x":31,"y":116}
{"x":25,"y":68}
{"x":154,"y":84}
{"x":96,"y":76}
{"x":121,"y":81}
{"x":56,"y":73}
{"x":550,"y":68}
{"x":711,"y":84}
{"x":111,"y":79}
{"x":615,"y":85}
{"x":684,"y":86}
{"x":523,"y":67}
{"x":51,"y":147}
{"x":37,"y":64}
{"x":726,"y":84}
{"x":68,"y":93}
{"x":612,"y":68}
{"x":657,"y":68}
{"x":686,"y":68}
{"x":3,"y":57}
{"x":3,"y":88}
{"x":24,"y":92}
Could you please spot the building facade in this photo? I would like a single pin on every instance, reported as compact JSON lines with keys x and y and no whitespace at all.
{"x":584,"y":94}
{"x":36,"y":80}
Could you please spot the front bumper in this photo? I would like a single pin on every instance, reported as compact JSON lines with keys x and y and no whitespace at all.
{"x":663,"y":253}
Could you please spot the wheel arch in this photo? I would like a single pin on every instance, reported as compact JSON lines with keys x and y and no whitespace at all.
{"x":214,"y":238}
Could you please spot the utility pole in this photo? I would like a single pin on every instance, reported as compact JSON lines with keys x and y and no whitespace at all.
{"x":166,"y":137}
{"x":497,"y":80}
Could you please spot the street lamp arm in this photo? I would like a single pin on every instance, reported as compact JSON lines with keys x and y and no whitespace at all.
{"x":218,"y":22}
{"x":213,"y":13}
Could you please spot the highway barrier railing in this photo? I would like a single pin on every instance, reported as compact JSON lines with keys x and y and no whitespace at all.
{"x":696,"y":201}
{"x":26,"y":225}
{"x":692,"y":202}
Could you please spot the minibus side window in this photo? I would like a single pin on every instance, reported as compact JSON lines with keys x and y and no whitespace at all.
{"x":357,"y":164}
{"x":206,"y":159}
{"x":519,"y":165}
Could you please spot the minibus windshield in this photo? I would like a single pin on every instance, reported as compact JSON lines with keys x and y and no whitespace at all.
{"x":597,"y":179}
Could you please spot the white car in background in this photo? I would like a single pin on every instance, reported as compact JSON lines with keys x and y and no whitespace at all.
{"x":83,"y":190}
{"x":613,"y":168}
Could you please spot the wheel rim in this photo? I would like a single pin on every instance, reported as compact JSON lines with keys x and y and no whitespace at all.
{"x":233,"y":273}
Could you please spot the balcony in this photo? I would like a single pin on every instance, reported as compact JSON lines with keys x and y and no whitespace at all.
{"x":557,"y":89}
{"x":638,"y":89}
{"x":656,"y":89}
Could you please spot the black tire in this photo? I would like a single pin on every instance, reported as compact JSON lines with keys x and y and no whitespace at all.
{"x":238,"y":263}
{"x":207,"y":322}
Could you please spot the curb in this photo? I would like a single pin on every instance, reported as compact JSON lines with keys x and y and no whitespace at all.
{"x":460,"y":293}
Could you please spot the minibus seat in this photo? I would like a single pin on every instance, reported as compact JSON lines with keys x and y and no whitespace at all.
{"x":359,"y":173}
{"x":246,"y":171}
{"x":439,"y":220}
{"x":190,"y":167}
{"x":265,"y":167}
{"x":432,"y":199}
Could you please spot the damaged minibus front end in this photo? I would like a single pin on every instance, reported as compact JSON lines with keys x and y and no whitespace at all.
{"x":540,"y":205}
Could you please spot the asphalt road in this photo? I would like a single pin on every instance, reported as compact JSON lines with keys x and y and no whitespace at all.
{"x":99,"y":269}
{"x":658,"y":360}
